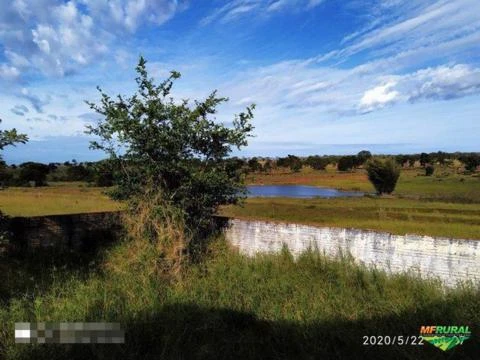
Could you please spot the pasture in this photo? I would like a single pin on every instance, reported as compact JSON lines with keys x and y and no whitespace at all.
{"x":56,"y":199}
{"x":446,"y":204}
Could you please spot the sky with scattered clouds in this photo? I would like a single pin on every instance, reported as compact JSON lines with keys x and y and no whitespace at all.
{"x":328,"y":77}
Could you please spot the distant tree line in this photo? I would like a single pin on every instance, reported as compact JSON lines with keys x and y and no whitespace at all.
{"x":103,"y":173}
{"x":427,"y":161}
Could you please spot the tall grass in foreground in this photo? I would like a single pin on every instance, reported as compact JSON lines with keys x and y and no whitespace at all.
{"x":230,"y":306}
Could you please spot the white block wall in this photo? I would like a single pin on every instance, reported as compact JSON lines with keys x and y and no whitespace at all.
{"x":448,"y":259}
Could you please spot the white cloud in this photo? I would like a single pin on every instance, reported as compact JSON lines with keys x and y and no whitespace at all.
{"x":56,"y":37}
{"x":379,"y":96}
{"x":8,"y":72}
{"x":237,"y":9}
{"x":17,"y":60}
{"x":438,"y":83}
{"x":130,"y":14}
{"x":414,"y":27}
{"x":443,"y":82}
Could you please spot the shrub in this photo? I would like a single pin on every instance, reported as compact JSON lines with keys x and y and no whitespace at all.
{"x":254,"y":165}
{"x":346,"y":163}
{"x":36,"y":172}
{"x":429,"y":169}
{"x":383,"y":175}
{"x":291,"y":161}
{"x":267,"y":166}
{"x":471,"y":161}
{"x":317,"y":162}
{"x":424,"y":159}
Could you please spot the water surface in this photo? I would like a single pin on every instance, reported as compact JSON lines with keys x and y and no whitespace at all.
{"x":297,"y":191}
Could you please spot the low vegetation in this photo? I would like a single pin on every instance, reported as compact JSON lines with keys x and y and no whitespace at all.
{"x":230,"y":306}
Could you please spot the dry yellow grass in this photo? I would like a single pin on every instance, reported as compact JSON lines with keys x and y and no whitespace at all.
{"x":55,"y":200}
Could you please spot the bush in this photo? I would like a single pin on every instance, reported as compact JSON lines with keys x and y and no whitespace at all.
{"x":424,"y":159}
{"x":36,"y":172}
{"x":254,"y":165}
{"x":471,"y":161}
{"x":347,"y":163}
{"x":383,"y":175}
{"x":291,"y":161}
{"x":317,"y":162}
{"x":429,"y":169}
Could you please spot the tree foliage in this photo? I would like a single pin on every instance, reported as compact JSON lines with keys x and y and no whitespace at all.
{"x":254,"y":165}
{"x":176,"y":148}
{"x":291,"y":161}
{"x":347,"y":163}
{"x":363,"y":156}
{"x":424,"y":159}
{"x":36,"y":172}
{"x":8,"y":138}
{"x":11,"y":137}
{"x":317,"y":162}
{"x":429,"y":169}
{"x":471,"y":161}
{"x":383,"y":174}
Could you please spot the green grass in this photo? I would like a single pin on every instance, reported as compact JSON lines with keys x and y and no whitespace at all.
{"x":398,"y":216}
{"x":233,"y":307}
{"x":59,"y":198}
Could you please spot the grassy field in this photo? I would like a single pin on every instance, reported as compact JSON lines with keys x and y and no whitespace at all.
{"x":444,"y":205}
{"x":230,"y":306}
{"x":445,"y":185}
{"x":398,"y":216}
{"x":60,"y":198}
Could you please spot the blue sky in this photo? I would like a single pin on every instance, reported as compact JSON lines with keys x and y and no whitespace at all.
{"x":328,"y":77}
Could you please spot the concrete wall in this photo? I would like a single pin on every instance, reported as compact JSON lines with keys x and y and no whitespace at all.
{"x":448,"y":259}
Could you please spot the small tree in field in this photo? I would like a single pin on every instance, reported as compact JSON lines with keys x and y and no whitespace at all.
{"x":429,"y":169}
{"x":383,"y":174}
{"x":173,"y":149}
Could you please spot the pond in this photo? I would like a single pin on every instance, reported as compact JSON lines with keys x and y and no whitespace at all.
{"x":297,"y":191}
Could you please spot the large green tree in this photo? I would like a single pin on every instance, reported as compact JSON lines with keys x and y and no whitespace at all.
{"x":174,"y":147}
